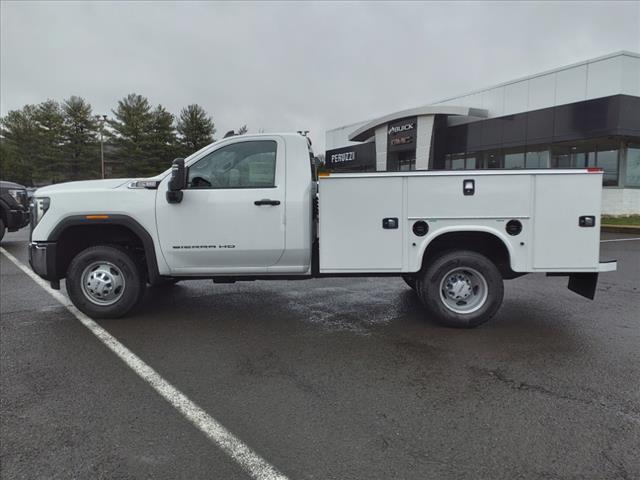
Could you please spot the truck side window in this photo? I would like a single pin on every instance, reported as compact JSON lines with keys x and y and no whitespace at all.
{"x":249,"y":164}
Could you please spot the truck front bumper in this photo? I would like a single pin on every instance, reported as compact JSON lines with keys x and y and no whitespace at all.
{"x":42,"y":258}
{"x":16,"y":219}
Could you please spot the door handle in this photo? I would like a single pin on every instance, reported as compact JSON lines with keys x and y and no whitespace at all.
{"x":266,"y":201}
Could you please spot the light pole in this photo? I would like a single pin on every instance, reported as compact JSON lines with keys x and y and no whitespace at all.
{"x":101,"y":119}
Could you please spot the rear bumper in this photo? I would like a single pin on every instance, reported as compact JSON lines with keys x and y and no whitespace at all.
{"x":610,"y":266}
{"x":16,"y":219}
{"x":42,"y":258}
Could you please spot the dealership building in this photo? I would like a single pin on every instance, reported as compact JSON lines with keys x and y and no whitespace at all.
{"x":582,"y":115}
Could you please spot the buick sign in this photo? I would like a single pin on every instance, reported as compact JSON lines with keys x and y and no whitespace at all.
{"x":401,"y":128}
{"x":401,"y":135}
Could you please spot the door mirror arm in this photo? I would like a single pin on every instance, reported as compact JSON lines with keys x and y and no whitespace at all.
{"x":177,"y":182}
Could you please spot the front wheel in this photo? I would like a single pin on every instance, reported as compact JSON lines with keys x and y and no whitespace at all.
{"x":461,"y":289}
{"x":104,"y":282}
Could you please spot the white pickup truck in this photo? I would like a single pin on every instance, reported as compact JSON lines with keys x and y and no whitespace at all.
{"x":249,"y":208}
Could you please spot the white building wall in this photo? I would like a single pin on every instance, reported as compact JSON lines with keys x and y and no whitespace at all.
{"x":339,"y":137}
{"x":621,"y":201}
{"x":618,"y":73}
{"x":614,"y":74}
{"x":631,"y":75}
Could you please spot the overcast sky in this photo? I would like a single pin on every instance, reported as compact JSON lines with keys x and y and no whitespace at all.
{"x":291,"y":66}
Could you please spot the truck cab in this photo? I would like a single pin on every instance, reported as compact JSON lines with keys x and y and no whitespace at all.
{"x":249,"y":208}
{"x":245,"y":209}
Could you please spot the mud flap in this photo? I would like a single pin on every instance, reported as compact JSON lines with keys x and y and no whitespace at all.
{"x":583,"y":284}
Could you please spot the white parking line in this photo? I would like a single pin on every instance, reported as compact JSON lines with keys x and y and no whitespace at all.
{"x":250,"y":461}
{"x":620,"y":240}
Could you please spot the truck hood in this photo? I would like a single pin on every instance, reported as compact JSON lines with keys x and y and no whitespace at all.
{"x":12,"y":185}
{"x":88,"y":185}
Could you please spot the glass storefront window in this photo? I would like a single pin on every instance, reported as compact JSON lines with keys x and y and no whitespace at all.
{"x":603,"y":153}
{"x":471,"y":163}
{"x":560,"y":156}
{"x":538,"y":159}
{"x":607,"y":159}
{"x":632,"y":174}
{"x":574,"y":155}
{"x":406,"y":161}
{"x":493,"y":159}
{"x":457,"y":162}
{"x":583,"y":155}
{"x":514,"y":160}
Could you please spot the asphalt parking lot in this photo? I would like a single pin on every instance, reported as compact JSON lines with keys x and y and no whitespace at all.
{"x":332,"y":378}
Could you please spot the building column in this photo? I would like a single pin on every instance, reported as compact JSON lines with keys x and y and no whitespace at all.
{"x":381,"y":148}
{"x":423,"y":141}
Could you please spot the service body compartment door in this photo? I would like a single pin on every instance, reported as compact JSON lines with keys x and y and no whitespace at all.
{"x":560,"y":243}
{"x":352,"y":235}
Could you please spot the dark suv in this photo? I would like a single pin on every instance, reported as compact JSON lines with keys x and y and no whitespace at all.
{"x":14,"y":207}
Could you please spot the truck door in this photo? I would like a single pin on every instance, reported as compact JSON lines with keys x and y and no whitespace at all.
{"x":232,"y":215}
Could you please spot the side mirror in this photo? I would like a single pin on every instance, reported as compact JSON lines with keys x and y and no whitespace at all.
{"x":177,"y":182}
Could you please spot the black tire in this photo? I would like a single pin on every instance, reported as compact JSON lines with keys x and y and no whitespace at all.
{"x":410,"y":280}
{"x":131,"y":292}
{"x":3,"y":229}
{"x":461,"y":265}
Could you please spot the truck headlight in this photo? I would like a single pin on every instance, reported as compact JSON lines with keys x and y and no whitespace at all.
{"x":15,"y":193}
{"x":39,"y":206}
{"x":19,"y":195}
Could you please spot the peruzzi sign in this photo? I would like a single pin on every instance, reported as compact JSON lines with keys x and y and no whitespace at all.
{"x":342,"y":157}
{"x":360,"y":157}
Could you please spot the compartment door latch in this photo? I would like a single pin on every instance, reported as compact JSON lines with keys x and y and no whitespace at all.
{"x":390,"y":223}
{"x":587,"y":221}
{"x":468,"y":186}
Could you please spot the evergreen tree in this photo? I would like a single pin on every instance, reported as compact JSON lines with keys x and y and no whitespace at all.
{"x":20,"y":140}
{"x":196,"y":129}
{"x":48,"y":163}
{"x":162,"y":141}
{"x":81,"y":147}
{"x":11,"y":166}
{"x":132,"y":127}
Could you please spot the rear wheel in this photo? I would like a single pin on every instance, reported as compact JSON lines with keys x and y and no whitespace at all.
{"x":461,"y":289}
{"x":105,"y":282}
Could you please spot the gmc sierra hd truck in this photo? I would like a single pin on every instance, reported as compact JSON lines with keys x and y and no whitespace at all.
{"x":14,"y":207}
{"x":249,"y":208}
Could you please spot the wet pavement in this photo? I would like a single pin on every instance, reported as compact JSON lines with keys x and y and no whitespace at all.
{"x":331,"y":378}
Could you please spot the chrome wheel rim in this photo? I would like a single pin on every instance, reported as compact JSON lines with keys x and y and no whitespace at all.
{"x":102,"y":283}
{"x":463,"y":290}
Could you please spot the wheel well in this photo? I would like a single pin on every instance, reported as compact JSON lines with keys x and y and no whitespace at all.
{"x":481,"y":242}
{"x":75,"y":238}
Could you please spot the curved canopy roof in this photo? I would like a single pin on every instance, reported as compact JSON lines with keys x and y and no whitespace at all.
{"x":368,"y":130}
